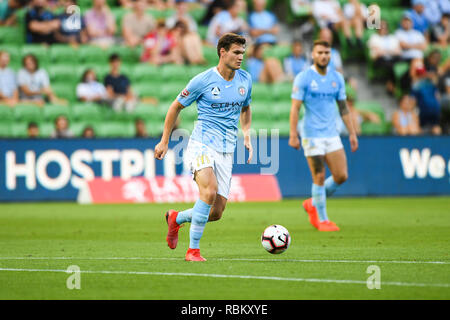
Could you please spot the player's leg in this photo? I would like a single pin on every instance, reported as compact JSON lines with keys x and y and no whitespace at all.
{"x":316,"y":165}
{"x":207,"y":186}
{"x":218,"y":208}
{"x":337,"y":163}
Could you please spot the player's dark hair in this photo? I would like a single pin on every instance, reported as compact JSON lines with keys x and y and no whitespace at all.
{"x":324,"y":43}
{"x":227,"y":40}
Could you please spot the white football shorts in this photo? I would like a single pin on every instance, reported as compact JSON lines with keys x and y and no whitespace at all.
{"x":321,"y":146}
{"x":200,"y":156}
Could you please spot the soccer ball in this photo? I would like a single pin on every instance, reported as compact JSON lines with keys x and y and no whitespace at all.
{"x":275,"y":239}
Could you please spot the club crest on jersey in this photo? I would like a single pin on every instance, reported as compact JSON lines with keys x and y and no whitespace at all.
{"x":314,"y":85}
{"x":334,"y":84}
{"x":215,"y":91}
{"x":185,"y":93}
{"x":242,"y":91}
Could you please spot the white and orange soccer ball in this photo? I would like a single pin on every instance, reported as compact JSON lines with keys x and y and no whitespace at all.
{"x":275,"y":239}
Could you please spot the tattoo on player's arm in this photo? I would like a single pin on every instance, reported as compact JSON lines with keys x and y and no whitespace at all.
{"x":343,"y":109}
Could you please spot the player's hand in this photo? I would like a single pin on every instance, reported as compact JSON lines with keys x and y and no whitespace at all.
{"x":161,"y":150}
{"x":294,"y":142}
{"x":249,"y":147}
{"x":353,"y":142}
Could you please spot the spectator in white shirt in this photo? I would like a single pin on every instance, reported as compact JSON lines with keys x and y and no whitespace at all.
{"x":9,"y":93}
{"x":90,"y":90}
{"x":412,"y":42}
{"x":356,"y":13}
{"x":385,"y":50}
{"x":328,"y":14}
{"x":34,"y":83}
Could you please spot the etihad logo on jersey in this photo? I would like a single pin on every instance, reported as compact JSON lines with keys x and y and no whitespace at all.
{"x":225,"y":106}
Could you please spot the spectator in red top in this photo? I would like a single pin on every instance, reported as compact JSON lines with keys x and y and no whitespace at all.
{"x":160,"y":46}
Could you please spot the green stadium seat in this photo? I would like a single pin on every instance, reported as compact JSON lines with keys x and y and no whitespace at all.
{"x":152,"y":89}
{"x":6,"y":113}
{"x":63,"y":73}
{"x":160,"y":14}
{"x":189,"y":114}
{"x":24,"y":112}
{"x":127,"y":55}
{"x":12,"y":35}
{"x":263,"y":92}
{"x":101,"y":70}
{"x":393,"y":16}
{"x":146,"y":73}
{"x":19,"y":129}
{"x":51,"y":112}
{"x":281,"y":110}
{"x":282,"y":91}
{"x":65,"y":91}
{"x":114,"y":129}
{"x":282,"y":127}
{"x":195,"y":70}
{"x":92,"y":54}
{"x":170,"y":90}
{"x":172,"y":72}
{"x":77,"y":127}
{"x":46,"y":129}
{"x":5,"y":130}
{"x":154,"y":128}
{"x":145,"y":112}
{"x":261,"y":110}
{"x":202,"y":31}
{"x":87,"y":112}
{"x":187,"y":125}
{"x":278,"y":51}
{"x":210,"y":54}
{"x":40,"y":51}
{"x":119,"y":13}
{"x":63,"y":54}
{"x":197,"y":13}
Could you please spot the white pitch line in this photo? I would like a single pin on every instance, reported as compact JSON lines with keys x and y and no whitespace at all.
{"x":236,"y":276}
{"x":231,"y":259}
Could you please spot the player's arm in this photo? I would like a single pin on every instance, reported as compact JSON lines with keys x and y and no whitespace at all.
{"x":294,"y":141}
{"x":346,"y":117}
{"x":246,"y":120}
{"x":169,"y":123}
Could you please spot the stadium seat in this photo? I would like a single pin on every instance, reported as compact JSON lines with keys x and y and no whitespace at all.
{"x":119,"y":13}
{"x":197,"y":13}
{"x":65,"y":91}
{"x":145,"y":112}
{"x":210,"y":54}
{"x":101,"y":70}
{"x":261,"y":110}
{"x":263,"y":92}
{"x":127,"y":55}
{"x":282,"y":91}
{"x":281,"y":110}
{"x":46,"y":129}
{"x":92,"y":54}
{"x":190,"y":113}
{"x":170,"y":90}
{"x":148,"y":89}
{"x":144,"y":72}
{"x":172,"y":72}
{"x":87,"y":112}
{"x":51,"y":112}
{"x":19,"y":129}
{"x":40,"y":51}
{"x":77,"y":127}
{"x":64,"y":54}
{"x":154,"y":128}
{"x":160,"y":14}
{"x":63,"y":73}
{"x":11,"y":35}
{"x":6,"y":113}
{"x":24,"y":112}
{"x":5,"y":130}
{"x":278,"y":51}
{"x":114,"y":129}
{"x":202,"y":31}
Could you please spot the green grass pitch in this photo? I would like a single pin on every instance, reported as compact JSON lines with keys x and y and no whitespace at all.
{"x":122,"y":253}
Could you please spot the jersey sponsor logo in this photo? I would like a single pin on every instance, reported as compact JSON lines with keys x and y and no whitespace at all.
{"x":242,"y":91}
{"x":185,"y":93}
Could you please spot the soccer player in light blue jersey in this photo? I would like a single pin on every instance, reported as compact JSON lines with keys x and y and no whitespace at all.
{"x":223,"y":96}
{"x":319,"y":88}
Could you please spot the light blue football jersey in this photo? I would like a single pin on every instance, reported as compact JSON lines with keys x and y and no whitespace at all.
{"x":319,"y":95}
{"x":219,"y":104}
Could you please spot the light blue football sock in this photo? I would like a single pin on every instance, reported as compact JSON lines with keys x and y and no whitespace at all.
{"x":319,"y":200}
{"x":200,"y":215}
{"x":184,"y":216}
{"x":331,"y":186}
